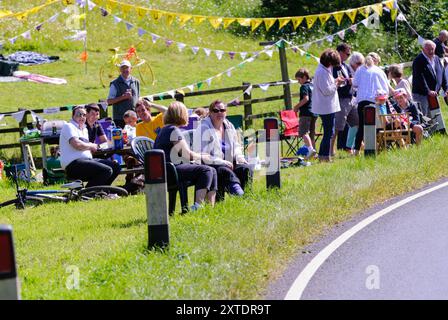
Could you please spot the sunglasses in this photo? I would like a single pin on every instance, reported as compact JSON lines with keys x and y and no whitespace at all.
{"x":219,"y":110}
{"x":79,"y":114}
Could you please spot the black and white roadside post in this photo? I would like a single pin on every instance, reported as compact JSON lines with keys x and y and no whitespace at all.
{"x":156,"y":199}
{"x":272,"y":153}
{"x":370,"y":130}
{"x":436,"y":113}
{"x":9,"y":285}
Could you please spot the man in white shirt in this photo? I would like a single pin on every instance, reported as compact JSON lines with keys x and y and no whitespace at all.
{"x":76,"y":153}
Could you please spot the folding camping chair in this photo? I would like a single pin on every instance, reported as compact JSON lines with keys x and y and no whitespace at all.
{"x":289,"y":132}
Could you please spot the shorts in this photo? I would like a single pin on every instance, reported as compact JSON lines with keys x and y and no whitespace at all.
{"x":307,"y":124}
{"x":348,"y":114}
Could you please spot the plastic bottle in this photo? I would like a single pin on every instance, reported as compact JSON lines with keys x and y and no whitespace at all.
{"x":54,"y":131}
{"x":117,"y":137}
{"x":125,"y":137}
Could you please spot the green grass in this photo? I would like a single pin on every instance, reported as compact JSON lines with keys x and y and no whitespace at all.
{"x":231,"y":251}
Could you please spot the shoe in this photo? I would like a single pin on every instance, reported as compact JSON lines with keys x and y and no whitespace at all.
{"x":235,"y":189}
{"x":311,"y":153}
{"x":112,"y":196}
{"x":196,"y":206}
{"x":302,"y":163}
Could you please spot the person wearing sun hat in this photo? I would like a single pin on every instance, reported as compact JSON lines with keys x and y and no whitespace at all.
{"x":124,"y":93}
{"x":403,"y":104}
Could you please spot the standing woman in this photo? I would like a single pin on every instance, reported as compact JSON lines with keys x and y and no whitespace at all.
{"x":325,"y":98}
{"x":172,"y":142}
{"x":368,"y":79}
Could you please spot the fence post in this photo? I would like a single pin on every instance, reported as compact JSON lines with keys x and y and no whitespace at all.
{"x":248,"y":106}
{"x":23,"y":125}
{"x":179,"y":97}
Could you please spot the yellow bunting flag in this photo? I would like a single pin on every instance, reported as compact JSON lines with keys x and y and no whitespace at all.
{"x":182,"y":92}
{"x":112,"y":5}
{"x":244,"y":22}
{"x":338,"y":17}
{"x":297,"y":22}
{"x":378,"y":8}
{"x":198,"y":20}
{"x":255,"y":23}
{"x":125,"y":9}
{"x":310,"y":20}
{"x":269,"y":22}
{"x":324,"y":18}
{"x":183,"y":19}
{"x":393,"y":14}
{"x":351,"y":14}
{"x":365,"y":11}
{"x":215,"y":22}
{"x":170,"y":18}
{"x":141,"y":12}
{"x":22,"y":16}
{"x":390,"y":4}
{"x":68,"y":2}
{"x":5,"y":13}
{"x":283,"y":22}
{"x":156,"y":15}
{"x":227,"y":22}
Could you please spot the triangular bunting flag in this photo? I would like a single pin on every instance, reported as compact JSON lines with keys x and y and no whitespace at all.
{"x":207,"y":52}
{"x":125,"y":9}
{"x":330,"y":38}
{"x":306,"y":46}
{"x":296,"y":22}
{"x":341,"y":34}
{"x":243,"y":55}
{"x":377,"y":8}
{"x":141,"y":12}
{"x":54,"y":17}
{"x":401,"y":17}
{"x":324,"y":18}
{"x":268,"y":23}
{"x":365,"y":11}
{"x":198,"y":20}
{"x":283,"y":22}
{"x":232,"y":55}
{"x":129,"y":25}
{"x":182,"y":92}
{"x":181,"y":46}
{"x":150,"y":98}
{"x":215,"y":22}
{"x":354,"y":28}
{"x":248,"y":90}
{"x":219,"y":54}
{"x":13,"y":40}
{"x":319,"y":42}
{"x":117,"y":19}
{"x":18,"y":115}
{"x":209,"y":81}
{"x":172,"y":93}
{"x":104,"y":13}
{"x":229,"y":73}
{"x":168,"y":42}
{"x":255,"y":23}
{"x":154,"y":37}
{"x":38,"y":27}
{"x":183,"y":19}
{"x":191,"y":87}
{"x":227,"y":22}
{"x":310,"y":20}
{"x":389,"y":4}
{"x":199,"y":85}
{"x":26,"y":35}
{"x":195,"y":49}
{"x":338,"y":17}
{"x":170,"y":19}
{"x":91,"y":5}
{"x":269,"y":53}
{"x":155,"y":15}
{"x":351,"y":14}
{"x":393,"y":14}
{"x":420,"y":40}
{"x":265,"y":86}
{"x":244,"y":22}
{"x":141,"y":32}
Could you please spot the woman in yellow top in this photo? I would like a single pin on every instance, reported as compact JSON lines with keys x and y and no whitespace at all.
{"x":149,"y":126}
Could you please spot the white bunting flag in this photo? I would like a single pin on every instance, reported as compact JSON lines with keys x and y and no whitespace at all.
{"x":269,"y":53}
{"x":154,"y":37}
{"x":172,"y":93}
{"x":91,"y":5}
{"x":209,"y":81}
{"x":18,"y":115}
{"x":229,"y":72}
{"x":181,"y":46}
{"x":67,"y":10}
{"x":207,"y":52}
{"x":219,"y":54}
{"x":401,"y":17}
{"x":117,"y":19}
{"x":150,"y":98}
{"x":341,"y":34}
{"x":79,"y":35}
{"x":330,"y":38}
{"x":195,"y":50}
{"x":51,"y":110}
{"x":243,"y":55}
{"x":1,"y":117}
{"x":13,"y":40}
{"x":53,"y":18}
{"x":265,"y":86}
{"x":420,"y":40}
{"x":26,"y":35}
{"x":191,"y":87}
{"x":248,"y":90}
{"x":306,"y":46}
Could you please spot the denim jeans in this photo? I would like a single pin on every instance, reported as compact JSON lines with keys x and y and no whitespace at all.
{"x":328,"y":122}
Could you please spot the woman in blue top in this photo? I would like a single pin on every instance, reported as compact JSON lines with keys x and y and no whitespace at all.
{"x":172,"y":142}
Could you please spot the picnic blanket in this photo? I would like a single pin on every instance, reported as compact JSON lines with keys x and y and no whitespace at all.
{"x":29,"y":58}
{"x":33,"y":77}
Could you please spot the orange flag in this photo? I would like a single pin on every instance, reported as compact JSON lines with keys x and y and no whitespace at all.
{"x":84,"y":56}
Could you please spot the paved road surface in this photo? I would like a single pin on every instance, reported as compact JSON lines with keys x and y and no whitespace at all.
{"x":402,"y":255}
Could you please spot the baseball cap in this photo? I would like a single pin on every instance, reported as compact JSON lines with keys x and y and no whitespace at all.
{"x":380,"y":94}
{"x":125,"y":63}
{"x":399,"y":92}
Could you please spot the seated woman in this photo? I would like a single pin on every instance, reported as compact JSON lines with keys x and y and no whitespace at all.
{"x":219,"y":139}
{"x":76,"y":153}
{"x":171,"y":140}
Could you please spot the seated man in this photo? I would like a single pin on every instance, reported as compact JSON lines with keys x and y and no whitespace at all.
{"x":149,"y":126}
{"x":404,"y":105}
{"x":76,"y":153}
{"x":96,"y":131}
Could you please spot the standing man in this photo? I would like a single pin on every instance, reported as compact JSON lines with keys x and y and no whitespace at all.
{"x":96,"y":131}
{"x":427,"y":76}
{"x":349,"y":113}
{"x":441,"y":44}
{"x":123,"y":93}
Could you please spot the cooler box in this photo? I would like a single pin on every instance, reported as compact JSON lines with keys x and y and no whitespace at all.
{"x":47,"y":127}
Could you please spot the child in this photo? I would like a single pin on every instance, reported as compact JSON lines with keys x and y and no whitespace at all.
{"x":130,"y":120}
{"x":307,"y":120}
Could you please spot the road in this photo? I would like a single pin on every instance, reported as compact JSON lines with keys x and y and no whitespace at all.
{"x":403,"y":254}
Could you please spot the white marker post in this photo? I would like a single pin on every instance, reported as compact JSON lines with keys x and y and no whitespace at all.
{"x":9,"y":285}
{"x":272,"y":153}
{"x":436,"y":112}
{"x":370,"y":130}
{"x":156,"y":199}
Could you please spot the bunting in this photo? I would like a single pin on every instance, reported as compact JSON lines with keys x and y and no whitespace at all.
{"x":216,"y":21}
{"x":24,"y":14}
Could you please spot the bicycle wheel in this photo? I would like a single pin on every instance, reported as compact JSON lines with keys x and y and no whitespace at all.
{"x":29,"y":202}
{"x":108,"y":72}
{"x":101,"y":192}
{"x":9,"y":202}
{"x":145,"y":73}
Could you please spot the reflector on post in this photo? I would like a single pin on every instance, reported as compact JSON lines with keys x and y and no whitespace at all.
{"x":156,"y":198}
{"x":8,"y":272}
{"x":436,"y":113}
{"x":272,"y":153}
{"x":370,"y":130}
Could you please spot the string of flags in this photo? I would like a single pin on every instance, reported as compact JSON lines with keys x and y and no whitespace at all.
{"x":217,"y":21}
{"x":402,"y":17}
{"x":23,"y":15}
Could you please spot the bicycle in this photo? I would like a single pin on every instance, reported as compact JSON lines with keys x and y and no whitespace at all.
{"x":75,"y":192}
{"x":109,"y":70}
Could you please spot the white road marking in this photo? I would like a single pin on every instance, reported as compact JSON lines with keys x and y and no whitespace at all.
{"x":298,"y":287}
